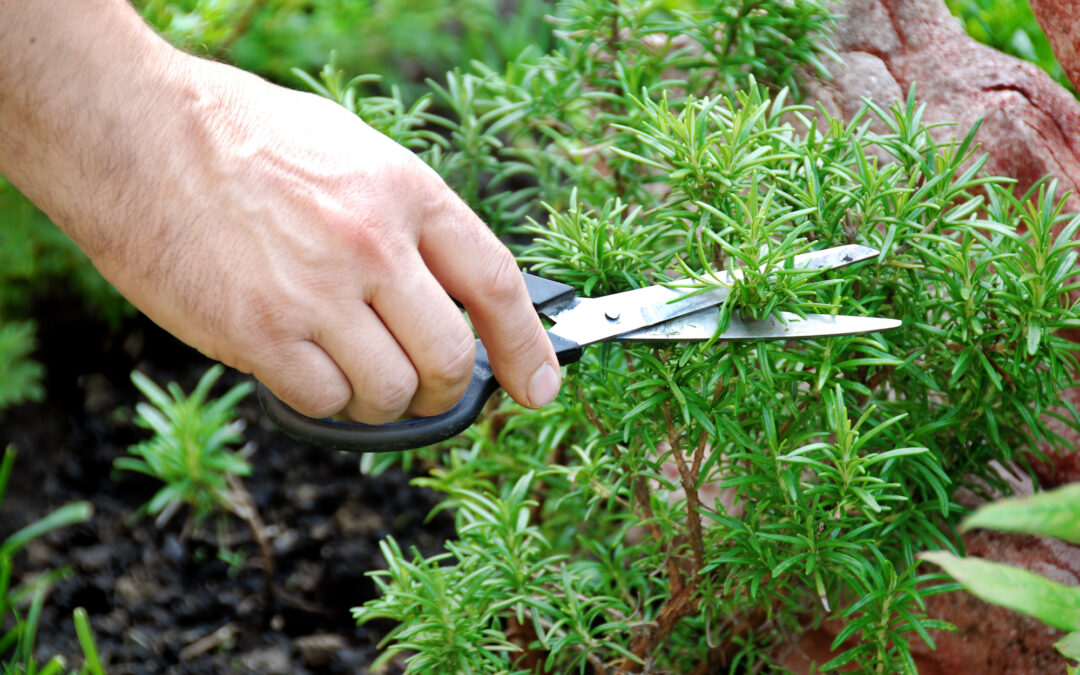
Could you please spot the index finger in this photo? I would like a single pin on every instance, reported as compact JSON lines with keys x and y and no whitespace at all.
{"x":474,"y":267}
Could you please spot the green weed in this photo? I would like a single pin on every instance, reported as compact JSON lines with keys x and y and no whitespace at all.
{"x":20,"y":606}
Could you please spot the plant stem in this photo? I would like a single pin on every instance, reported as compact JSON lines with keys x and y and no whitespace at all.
{"x":693,"y":517}
{"x":679,"y":604}
{"x":242,"y":504}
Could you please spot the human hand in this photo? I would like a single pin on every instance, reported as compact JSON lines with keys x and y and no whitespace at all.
{"x":278,"y":233}
{"x":312,"y":251}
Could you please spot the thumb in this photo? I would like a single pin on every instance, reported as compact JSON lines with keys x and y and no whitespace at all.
{"x":474,"y":267}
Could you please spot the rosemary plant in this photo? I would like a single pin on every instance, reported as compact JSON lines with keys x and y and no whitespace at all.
{"x":190,"y":453}
{"x":694,"y":508}
{"x":189,"y":450}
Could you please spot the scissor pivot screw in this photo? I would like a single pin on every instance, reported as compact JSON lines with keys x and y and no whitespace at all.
{"x":612,"y":315}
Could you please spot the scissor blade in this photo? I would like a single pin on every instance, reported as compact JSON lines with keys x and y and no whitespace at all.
{"x":701,"y":326}
{"x":826,"y":258}
{"x":590,"y":320}
{"x":837,"y":256}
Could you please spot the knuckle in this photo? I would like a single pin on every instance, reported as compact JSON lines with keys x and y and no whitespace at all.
{"x":287,"y":370}
{"x":258,"y":315}
{"x":457,"y":366}
{"x":408,"y":180}
{"x":363,"y":231}
{"x":431,"y":195}
{"x":500,"y":283}
{"x":389,"y":399}
{"x":447,"y":377}
{"x":316,"y":404}
{"x":525,"y":339}
{"x":375,"y":241}
{"x":255,"y":316}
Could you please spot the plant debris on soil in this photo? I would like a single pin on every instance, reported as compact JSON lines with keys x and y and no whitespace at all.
{"x":160,"y":599}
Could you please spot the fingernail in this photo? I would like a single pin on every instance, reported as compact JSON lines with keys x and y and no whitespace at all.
{"x":543,"y":386}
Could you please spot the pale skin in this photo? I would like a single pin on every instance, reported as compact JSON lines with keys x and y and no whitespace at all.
{"x":270,"y":229}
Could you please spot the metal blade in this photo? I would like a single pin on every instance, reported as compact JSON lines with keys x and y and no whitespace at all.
{"x":826,"y":258}
{"x":837,"y":256}
{"x":589,"y":320}
{"x":701,"y":326}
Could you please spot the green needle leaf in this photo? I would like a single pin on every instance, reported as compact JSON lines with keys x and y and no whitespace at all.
{"x":76,"y":512}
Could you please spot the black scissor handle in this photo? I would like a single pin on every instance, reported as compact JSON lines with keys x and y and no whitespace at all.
{"x":416,"y":433}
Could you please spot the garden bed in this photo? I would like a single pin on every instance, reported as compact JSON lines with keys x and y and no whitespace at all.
{"x":160,"y":600}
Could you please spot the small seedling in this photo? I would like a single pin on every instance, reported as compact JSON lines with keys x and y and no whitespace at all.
{"x":191,"y":453}
{"x":190,"y":450}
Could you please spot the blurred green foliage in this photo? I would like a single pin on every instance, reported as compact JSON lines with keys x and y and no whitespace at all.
{"x":402,"y":40}
{"x":21,"y":603}
{"x":20,"y":377}
{"x":1047,"y":514}
{"x":35,"y":259}
{"x":1009,"y":26}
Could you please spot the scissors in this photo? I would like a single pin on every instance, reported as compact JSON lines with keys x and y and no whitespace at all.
{"x":662,"y":313}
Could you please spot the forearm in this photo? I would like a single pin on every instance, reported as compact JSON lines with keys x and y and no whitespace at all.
{"x":82,"y":85}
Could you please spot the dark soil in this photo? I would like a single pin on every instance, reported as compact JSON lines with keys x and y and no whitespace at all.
{"x":159,"y":598}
